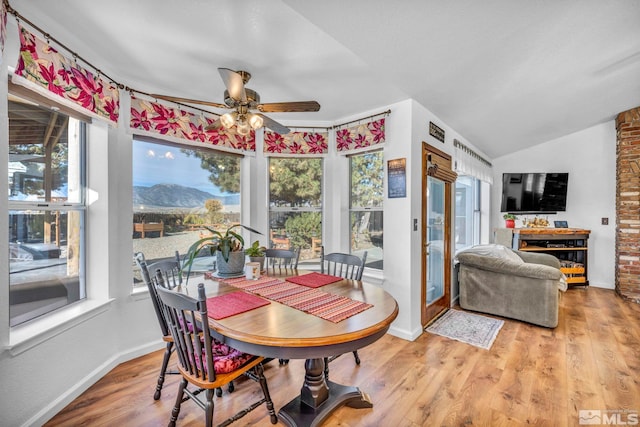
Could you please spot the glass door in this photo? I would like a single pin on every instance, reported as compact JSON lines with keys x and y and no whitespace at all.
{"x":435,"y":239}
{"x":437,"y":185}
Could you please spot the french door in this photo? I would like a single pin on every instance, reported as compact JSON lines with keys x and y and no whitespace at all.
{"x":437,"y":181}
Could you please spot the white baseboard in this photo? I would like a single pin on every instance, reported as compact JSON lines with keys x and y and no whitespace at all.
{"x":404,"y":334}
{"x":46,"y":413}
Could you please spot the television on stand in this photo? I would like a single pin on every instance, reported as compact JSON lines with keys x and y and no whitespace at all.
{"x":534,"y":193}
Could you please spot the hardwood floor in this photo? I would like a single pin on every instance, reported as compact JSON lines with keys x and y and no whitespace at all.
{"x":531,"y":376}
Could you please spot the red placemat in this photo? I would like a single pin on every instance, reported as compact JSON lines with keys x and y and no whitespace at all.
{"x":313,"y":280}
{"x":231,"y":304}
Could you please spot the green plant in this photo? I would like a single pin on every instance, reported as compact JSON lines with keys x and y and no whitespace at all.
{"x":255,"y":250}
{"x":225,"y":243}
{"x":300,"y":228}
{"x":509,"y":216}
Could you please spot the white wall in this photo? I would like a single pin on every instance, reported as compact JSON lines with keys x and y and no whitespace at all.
{"x":113,"y":325}
{"x":589,"y":156}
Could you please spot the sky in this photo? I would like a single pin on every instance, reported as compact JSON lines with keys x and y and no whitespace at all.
{"x":156,"y":163}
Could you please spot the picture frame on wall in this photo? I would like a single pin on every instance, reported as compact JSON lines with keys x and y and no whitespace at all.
{"x":397,"y":178}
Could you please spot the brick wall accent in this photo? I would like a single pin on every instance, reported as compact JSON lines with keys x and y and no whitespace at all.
{"x":628,"y":204}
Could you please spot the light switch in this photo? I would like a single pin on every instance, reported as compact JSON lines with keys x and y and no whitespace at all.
{"x":605,"y":221}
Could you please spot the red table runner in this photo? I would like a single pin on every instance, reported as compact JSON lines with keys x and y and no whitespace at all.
{"x":233,"y":303}
{"x":334,"y":308}
{"x":314,"y":280}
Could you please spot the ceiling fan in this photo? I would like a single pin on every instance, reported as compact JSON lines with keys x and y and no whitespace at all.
{"x":243,"y":101}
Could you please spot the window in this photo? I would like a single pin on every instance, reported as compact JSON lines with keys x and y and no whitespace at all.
{"x":295,"y":206}
{"x":46,"y":209}
{"x":467,"y":227}
{"x":367,"y":195}
{"x":177,"y":193}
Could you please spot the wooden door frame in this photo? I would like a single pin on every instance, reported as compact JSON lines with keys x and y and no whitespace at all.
{"x":445,"y":173}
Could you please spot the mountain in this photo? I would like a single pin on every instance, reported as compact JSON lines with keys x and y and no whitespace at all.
{"x":173,"y":195}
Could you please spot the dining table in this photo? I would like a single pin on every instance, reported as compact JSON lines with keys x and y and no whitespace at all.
{"x":281,"y":331}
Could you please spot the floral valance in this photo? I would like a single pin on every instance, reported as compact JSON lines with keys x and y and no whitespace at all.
{"x":154,"y":117}
{"x":45,"y":69}
{"x":300,"y":143}
{"x":361,"y":136}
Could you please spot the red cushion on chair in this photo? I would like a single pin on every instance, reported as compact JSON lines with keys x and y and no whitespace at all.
{"x":227,"y":359}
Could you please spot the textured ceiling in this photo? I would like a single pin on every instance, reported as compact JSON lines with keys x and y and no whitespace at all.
{"x":505,"y":74}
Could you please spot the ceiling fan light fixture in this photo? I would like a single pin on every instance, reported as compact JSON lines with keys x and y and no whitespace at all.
{"x":255,"y":121}
{"x":227,"y":120}
{"x":242,"y":101}
{"x":243,"y":128}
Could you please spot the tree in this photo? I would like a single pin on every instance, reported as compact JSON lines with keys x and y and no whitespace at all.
{"x":302,"y":227}
{"x":367,"y":180}
{"x":296,"y":181}
{"x":214,"y":208}
{"x":224,"y":169}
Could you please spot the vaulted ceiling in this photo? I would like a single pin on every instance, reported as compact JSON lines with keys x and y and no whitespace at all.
{"x":505,"y":74}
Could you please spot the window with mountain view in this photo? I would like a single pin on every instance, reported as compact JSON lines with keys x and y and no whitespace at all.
{"x":179,"y":192}
{"x":295,"y":206}
{"x":366,"y":206}
{"x":46,"y":209}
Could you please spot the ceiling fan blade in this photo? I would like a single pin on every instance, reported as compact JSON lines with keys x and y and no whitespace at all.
{"x":188,"y":101}
{"x":286,"y":107}
{"x":273,"y":125}
{"x":213,"y":126}
{"x":234,"y":84}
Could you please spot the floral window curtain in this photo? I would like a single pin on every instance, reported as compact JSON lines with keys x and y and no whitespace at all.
{"x":296,"y":143}
{"x":156,"y":118}
{"x":3,"y":28}
{"x":48,"y":71}
{"x":361,"y":136}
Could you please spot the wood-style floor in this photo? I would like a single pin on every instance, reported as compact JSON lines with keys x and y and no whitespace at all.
{"x":531,"y":376}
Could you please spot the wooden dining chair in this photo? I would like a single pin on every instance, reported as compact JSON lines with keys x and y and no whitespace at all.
{"x":166,"y":274}
{"x":149,"y":278}
{"x":344,"y":265}
{"x":203,"y":362}
{"x":279,"y":261}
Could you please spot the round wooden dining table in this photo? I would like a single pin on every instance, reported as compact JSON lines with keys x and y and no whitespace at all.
{"x":279,"y":331}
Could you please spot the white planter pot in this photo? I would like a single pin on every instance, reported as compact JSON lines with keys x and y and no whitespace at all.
{"x":234,"y":266}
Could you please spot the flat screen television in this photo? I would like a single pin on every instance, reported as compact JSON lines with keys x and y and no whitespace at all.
{"x":534,"y":192}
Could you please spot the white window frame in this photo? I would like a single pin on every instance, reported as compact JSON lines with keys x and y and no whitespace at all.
{"x":137,"y":284}
{"x":295,"y":209}
{"x":358,"y":209}
{"x":80,"y":127}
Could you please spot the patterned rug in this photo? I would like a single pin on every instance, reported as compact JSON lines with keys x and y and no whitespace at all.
{"x":469,"y":328}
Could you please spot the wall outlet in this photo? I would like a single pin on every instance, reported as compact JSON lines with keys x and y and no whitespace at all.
{"x":605,"y":221}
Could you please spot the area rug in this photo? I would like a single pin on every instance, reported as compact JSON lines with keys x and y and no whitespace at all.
{"x":469,"y":328}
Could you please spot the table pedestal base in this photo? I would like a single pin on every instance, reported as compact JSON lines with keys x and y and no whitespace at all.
{"x":298,"y":414}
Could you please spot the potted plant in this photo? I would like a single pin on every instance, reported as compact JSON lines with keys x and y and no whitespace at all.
{"x":509,"y":220}
{"x":227,"y":247}
{"x":255,"y":252}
